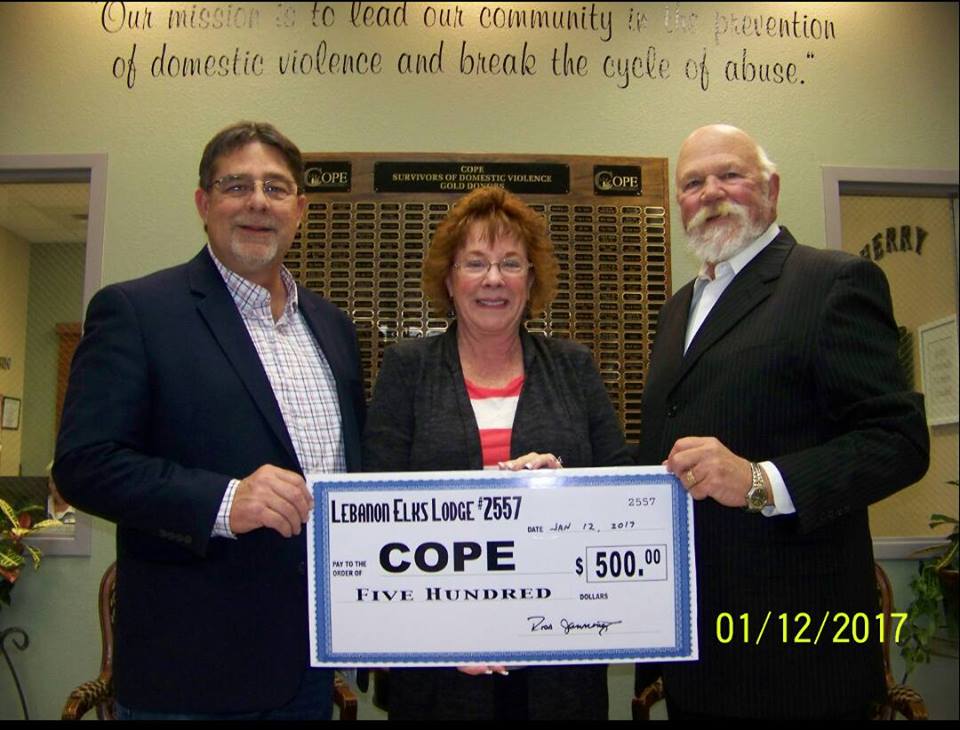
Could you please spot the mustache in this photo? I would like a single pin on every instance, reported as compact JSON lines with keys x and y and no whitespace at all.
{"x":256,"y":223}
{"x":724,"y":208}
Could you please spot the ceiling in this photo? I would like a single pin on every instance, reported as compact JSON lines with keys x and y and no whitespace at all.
{"x":53,"y":212}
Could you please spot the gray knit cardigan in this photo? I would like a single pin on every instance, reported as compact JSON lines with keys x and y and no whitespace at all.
{"x":420,"y":418}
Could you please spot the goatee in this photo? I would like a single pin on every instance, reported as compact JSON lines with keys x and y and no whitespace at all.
{"x":722,"y":239}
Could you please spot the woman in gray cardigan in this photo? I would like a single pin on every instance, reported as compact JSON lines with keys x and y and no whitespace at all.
{"x":489,"y":394}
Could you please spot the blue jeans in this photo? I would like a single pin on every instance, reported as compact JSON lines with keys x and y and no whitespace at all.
{"x":313,"y":701}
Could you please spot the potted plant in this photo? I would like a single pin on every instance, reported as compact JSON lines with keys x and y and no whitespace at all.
{"x":935,"y":602}
{"x":14,"y":552}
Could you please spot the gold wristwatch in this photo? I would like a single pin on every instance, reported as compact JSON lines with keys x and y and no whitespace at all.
{"x":757,"y":494}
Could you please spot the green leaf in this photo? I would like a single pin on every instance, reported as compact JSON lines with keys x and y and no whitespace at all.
{"x":44,"y":524}
{"x":36,"y":555}
{"x":10,"y":559}
{"x":942,"y":520}
{"x":8,"y":511}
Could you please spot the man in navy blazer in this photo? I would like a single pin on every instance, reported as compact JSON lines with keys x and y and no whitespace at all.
{"x":775,"y":394}
{"x":198,"y":398}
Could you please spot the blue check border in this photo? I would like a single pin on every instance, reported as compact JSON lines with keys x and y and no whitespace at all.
{"x":683,"y":534}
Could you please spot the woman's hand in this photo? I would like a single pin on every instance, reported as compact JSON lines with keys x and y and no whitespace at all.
{"x":475,"y":670}
{"x":533,"y":460}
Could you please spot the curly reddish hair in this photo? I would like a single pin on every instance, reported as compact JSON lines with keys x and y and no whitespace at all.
{"x":500,"y":213}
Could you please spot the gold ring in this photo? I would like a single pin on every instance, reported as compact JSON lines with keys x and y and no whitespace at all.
{"x":691,"y":477}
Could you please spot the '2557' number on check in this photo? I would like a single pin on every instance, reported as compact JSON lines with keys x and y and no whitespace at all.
{"x":500,"y":508}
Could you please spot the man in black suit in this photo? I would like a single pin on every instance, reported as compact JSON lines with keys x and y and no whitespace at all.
{"x":198,"y":398}
{"x":775,"y":395}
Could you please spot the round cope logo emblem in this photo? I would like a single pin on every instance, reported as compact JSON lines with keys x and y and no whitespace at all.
{"x":609,"y":181}
{"x":318,"y":176}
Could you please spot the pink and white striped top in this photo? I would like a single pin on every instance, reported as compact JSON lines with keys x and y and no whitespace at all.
{"x":494,"y":409}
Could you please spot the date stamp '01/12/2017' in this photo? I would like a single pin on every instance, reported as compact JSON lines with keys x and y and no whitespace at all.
{"x":800,"y":628}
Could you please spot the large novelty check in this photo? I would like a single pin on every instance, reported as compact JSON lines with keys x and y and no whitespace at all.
{"x":530,"y":567}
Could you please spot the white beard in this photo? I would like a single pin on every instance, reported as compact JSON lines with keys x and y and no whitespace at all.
{"x":253,"y":259}
{"x":257,"y":253}
{"x":722,"y":239}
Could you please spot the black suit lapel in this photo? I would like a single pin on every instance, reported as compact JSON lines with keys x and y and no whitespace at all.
{"x":219,"y":311}
{"x":747,"y":290}
{"x":665,"y":364}
{"x":674,"y":326}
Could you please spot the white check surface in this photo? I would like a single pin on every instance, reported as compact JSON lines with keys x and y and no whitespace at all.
{"x":533,"y":567}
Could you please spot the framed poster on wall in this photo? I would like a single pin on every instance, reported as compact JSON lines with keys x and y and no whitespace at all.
{"x":10,"y":413}
{"x":938,"y":370}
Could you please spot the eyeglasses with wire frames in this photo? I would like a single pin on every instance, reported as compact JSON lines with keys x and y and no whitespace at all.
{"x":476,"y":267}
{"x":242,"y":186}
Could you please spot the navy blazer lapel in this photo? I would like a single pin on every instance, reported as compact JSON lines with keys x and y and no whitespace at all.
{"x":339,"y":355}
{"x":219,"y":311}
{"x":747,"y":290}
{"x":326,"y":338}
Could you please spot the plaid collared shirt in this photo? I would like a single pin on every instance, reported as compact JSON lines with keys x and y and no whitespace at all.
{"x":299,"y":375}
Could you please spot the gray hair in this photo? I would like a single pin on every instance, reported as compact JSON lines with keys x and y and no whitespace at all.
{"x":767,"y":167}
{"x":241,"y":134}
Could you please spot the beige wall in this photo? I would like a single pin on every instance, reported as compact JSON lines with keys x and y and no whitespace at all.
{"x":882,"y":92}
{"x":922,"y":274}
{"x":14,"y":275}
